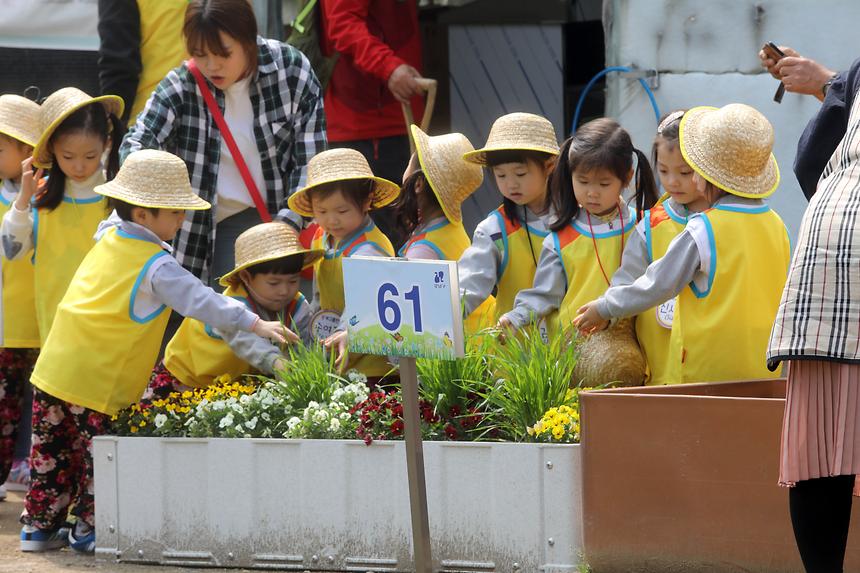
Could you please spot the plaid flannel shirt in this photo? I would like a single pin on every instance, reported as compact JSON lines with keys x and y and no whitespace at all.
{"x":289,"y":125}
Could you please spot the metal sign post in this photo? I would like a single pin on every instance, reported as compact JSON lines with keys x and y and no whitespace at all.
{"x":415,"y":467}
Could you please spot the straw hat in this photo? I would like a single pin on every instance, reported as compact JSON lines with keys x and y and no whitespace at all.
{"x":341,"y":165}
{"x":450,"y":178}
{"x":19,"y":118}
{"x":156,"y":179}
{"x":731,"y":148}
{"x":517,"y":131}
{"x":267,"y":242}
{"x":60,"y":105}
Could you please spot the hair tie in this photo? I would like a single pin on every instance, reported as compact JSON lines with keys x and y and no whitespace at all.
{"x":668,"y":120}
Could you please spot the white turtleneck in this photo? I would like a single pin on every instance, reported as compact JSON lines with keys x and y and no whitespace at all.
{"x":233,"y":195}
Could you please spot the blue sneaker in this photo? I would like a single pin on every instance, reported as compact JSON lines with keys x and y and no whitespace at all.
{"x":35,"y":539}
{"x":82,"y":538}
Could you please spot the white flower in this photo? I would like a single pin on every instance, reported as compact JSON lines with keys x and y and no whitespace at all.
{"x":160,"y":420}
{"x":313,"y":405}
{"x":344,"y":416}
{"x":218,"y":406}
{"x":320,"y":416}
{"x":252,"y":423}
{"x":245,"y":398}
{"x":355,"y":376}
{"x":237,"y":408}
{"x":334,"y":425}
{"x":266,"y":417}
{"x":226,"y":421}
{"x":293,"y":422}
{"x":338,"y":394}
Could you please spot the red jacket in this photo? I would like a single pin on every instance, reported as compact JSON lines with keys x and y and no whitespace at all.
{"x":373,"y":37}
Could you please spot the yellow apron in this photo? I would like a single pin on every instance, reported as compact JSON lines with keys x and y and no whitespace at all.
{"x":582,"y":269}
{"x":723,"y":329}
{"x":20,"y":329}
{"x":61,"y":240}
{"x":449,"y":240}
{"x":162,"y":46}
{"x":196,"y":355}
{"x":520,"y":246}
{"x":328,"y":274}
{"x":99,"y":353}
{"x":662,"y":225}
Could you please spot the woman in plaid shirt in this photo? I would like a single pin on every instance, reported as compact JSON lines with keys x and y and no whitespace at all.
{"x":272,"y":103}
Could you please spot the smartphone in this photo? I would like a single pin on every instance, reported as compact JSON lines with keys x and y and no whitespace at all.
{"x":775,"y":54}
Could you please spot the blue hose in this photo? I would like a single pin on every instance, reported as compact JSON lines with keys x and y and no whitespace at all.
{"x":594,"y":80}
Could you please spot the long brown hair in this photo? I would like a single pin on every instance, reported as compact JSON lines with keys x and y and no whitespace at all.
{"x":205,"y":19}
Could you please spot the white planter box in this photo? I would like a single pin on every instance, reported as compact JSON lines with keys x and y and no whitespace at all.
{"x":332,"y":505}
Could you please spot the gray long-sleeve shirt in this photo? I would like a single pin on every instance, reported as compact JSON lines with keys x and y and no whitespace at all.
{"x":687,"y":260}
{"x":479,"y":265}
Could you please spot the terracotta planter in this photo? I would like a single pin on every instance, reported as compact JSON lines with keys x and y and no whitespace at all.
{"x":684,"y":478}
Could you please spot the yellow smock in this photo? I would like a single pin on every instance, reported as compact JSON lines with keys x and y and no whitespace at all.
{"x":328,"y":274}
{"x":582,"y":269}
{"x":61,"y":240}
{"x":20,"y":329}
{"x":196,"y":355}
{"x":162,"y":46}
{"x":723,"y":329}
{"x":99,"y":353}
{"x":521,"y":246}
{"x":449,"y":240}
{"x":662,"y":224}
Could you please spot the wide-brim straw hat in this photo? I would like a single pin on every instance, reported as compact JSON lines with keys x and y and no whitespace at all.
{"x":451,"y":178}
{"x":731,"y":147}
{"x":154,"y":179}
{"x":267,"y":242}
{"x":19,"y":119}
{"x":60,"y":105}
{"x":341,"y":165}
{"x":517,"y":131}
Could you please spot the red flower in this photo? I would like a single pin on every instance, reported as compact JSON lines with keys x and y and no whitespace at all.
{"x":450,"y":431}
{"x":397,"y":427}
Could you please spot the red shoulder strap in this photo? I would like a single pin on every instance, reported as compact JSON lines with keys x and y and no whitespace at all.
{"x":231,"y":143}
{"x":566,"y":236}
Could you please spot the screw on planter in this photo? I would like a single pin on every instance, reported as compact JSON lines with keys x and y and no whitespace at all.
{"x":315,"y":558}
{"x":230,"y":556}
{"x":549,"y":465}
{"x":516,"y":566}
{"x":110,"y":457}
{"x":140,"y":552}
{"x":331,"y":558}
{"x":112,"y":528}
{"x":551,"y":541}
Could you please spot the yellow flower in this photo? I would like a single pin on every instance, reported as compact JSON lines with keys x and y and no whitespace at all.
{"x":133,"y":429}
{"x":557,"y":432}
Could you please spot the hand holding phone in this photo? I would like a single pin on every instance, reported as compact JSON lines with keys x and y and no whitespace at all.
{"x":773,"y":52}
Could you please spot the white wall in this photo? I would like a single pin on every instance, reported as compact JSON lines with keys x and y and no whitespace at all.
{"x":706,"y":53}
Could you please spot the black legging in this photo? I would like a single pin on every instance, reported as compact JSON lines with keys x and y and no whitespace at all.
{"x":821,"y":513}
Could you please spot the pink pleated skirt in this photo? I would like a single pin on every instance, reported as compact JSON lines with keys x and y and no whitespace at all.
{"x":821,"y":425}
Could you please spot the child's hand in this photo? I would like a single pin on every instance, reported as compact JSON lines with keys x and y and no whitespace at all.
{"x":506,"y":328}
{"x":588,"y":320}
{"x":338,"y":341}
{"x":274,"y":330}
{"x":30,"y":184}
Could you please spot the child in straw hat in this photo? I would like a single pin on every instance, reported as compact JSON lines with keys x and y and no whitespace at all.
{"x":520,"y":152}
{"x":435,"y":184}
{"x":106,"y":336}
{"x":266,"y":277}
{"x":19,"y":335}
{"x":341,"y":190}
{"x":659,"y":225}
{"x":728,"y":266}
{"x":58,"y":227}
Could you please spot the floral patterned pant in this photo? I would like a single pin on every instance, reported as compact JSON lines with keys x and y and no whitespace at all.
{"x":61,"y":461}
{"x":161,"y":384}
{"x":16,"y":364}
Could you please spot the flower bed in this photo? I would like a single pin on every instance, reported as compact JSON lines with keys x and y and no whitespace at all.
{"x":170,"y":491}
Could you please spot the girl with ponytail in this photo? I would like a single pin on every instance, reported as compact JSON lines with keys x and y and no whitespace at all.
{"x":592,"y":223}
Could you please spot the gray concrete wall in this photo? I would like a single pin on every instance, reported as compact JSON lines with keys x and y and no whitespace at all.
{"x":706,"y":53}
